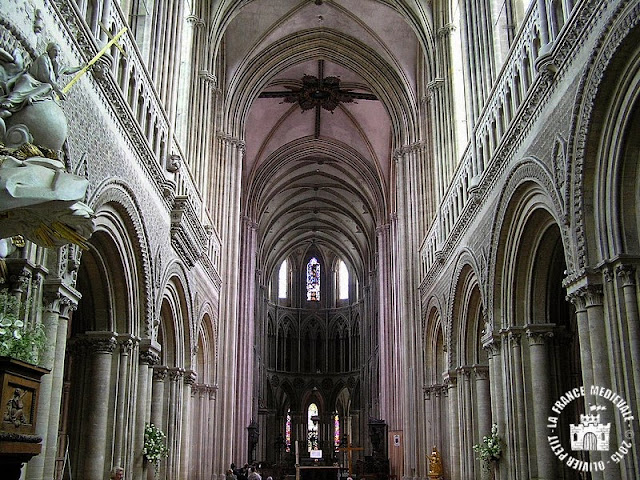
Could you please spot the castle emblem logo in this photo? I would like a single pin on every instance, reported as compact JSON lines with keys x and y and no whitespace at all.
{"x":590,"y":434}
{"x":593,"y":431}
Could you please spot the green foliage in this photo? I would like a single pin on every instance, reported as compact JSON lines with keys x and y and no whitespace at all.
{"x":154,"y":448}
{"x":491,"y":447}
{"x":18,"y":340}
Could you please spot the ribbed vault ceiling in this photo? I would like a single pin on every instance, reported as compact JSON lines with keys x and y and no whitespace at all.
{"x":319,"y":176}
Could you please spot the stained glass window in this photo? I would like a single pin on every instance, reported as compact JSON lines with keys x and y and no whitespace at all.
{"x":336,"y":431}
{"x":343,"y":281}
{"x":312,"y":427}
{"x":287,"y":430}
{"x":282,"y":280}
{"x":313,"y":280}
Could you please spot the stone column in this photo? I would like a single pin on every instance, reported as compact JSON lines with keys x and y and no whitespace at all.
{"x":594,"y":349}
{"x":597,"y":335}
{"x":126,"y":343}
{"x":483,"y":399}
{"x":626,"y":274}
{"x":600,"y":363}
{"x":577,"y":298}
{"x":483,"y":402}
{"x":157,"y":395}
{"x":493,"y":345}
{"x":201,"y":444}
{"x":452,"y":393}
{"x":174,"y":427}
{"x":60,"y":301}
{"x":100,"y":349}
{"x":544,"y":26}
{"x":539,"y":336}
{"x":466,"y":437}
{"x":148,"y":357}
{"x":212,"y":390}
{"x":187,"y":469}
{"x":520,"y":451}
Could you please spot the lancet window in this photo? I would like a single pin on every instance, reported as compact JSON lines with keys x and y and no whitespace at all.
{"x":313,"y":280}
{"x":312,"y":427}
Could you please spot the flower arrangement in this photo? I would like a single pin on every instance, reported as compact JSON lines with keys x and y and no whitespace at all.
{"x":18,"y":340}
{"x":491,"y":447}
{"x":154,"y":448}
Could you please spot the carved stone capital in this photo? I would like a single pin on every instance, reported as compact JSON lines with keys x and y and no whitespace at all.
{"x":195,"y":21}
{"x":514,"y":334}
{"x":626,"y":274}
{"x":100,"y":342}
{"x":539,"y":334}
{"x":435,"y":85}
{"x":481,"y":371}
{"x":578,"y":300}
{"x":208,"y":77}
{"x":213,"y":391}
{"x":60,"y":298}
{"x":593,"y":295}
{"x":175,"y":374}
{"x":436,"y":390}
{"x":492,"y":346}
{"x":190,"y":377}
{"x":159,"y":373}
{"x":450,"y":379}
{"x":607,"y":274}
{"x":149,"y":357}
{"x":126,"y":343}
{"x":20,"y":280}
{"x":446,"y":30}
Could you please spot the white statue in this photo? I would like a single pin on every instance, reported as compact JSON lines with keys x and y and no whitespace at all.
{"x":39,"y":198}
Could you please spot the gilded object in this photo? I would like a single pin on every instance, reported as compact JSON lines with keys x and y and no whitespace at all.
{"x":435,"y":464}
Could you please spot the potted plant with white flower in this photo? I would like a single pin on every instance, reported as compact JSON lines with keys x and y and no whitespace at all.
{"x":21,"y":346}
{"x":490,"y":449}
{"x":19,"y":340}
{"x":154,"y":448}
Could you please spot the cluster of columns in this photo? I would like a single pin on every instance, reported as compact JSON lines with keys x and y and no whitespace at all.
{"x":461,"y":412}
{"x":527,"y":370}
{"x":606,"y":304}
{"x":111,"y":398}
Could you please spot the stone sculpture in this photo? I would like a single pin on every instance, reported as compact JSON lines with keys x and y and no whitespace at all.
{"x":39,"y":198}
